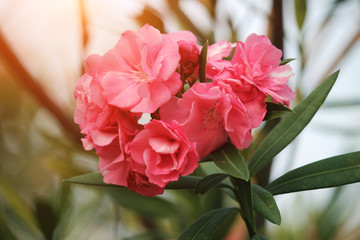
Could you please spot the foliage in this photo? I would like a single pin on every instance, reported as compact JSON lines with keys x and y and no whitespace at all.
{"x":34,"y":204}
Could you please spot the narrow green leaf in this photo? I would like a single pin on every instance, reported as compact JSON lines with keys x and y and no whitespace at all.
{"x":186,"y":182}
{"x":149,"y":235}
{"x":209,"y":182}
{"x":95,"y":179}
{"x":245,"y":200}
{"x":147,"y":206}
{"x":46,"y":217}
{"x":259,"y":237}
{"x":285,"y":61}
{"x":207,"y":226}
{"x":330,"y":172}
{"x":202,"y":62}
{"x":289,"y":127}
{"x":265,"y":205}
{"x":274,"y":110}
{"x":5,"y":232}
{"x":230,"y":160}
{"x":300,"y":11}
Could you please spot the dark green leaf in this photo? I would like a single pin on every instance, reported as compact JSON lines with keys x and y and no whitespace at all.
{"x":146,"y":236}
{"x":202,"y":62}
{"x":245,"y":199}
{"x":186,"y":182}
{"x":259,"y":237}
{"x":208,"y":225}
{"x":290,"y":126}
{"x":147,"y":206}
{"x":285,"y":61}
{"x":230,"y":160}
{"x":300,"y":11}
{"x":46,"y":218}
{"x":209,"y":182}
{"x":330,"y":172}
{"x":5,"y":232}
{"x":265,"y":205}
{"x":95,"y":179}
{"x":274,"y":110}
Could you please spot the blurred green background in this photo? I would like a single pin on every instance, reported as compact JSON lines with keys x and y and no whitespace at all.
{"x":43,"y":44}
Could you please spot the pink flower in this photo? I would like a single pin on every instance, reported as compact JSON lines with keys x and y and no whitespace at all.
{"x":161,"y":153}
{"x":140,"y":183}
{"x":257,"y":62}
{"x":189,"y":52}
{"x":249,"y":95}
{"x":94,"y":116}
{"x":216,"y":53}
{"x":114,"y":158}
{"x":208,"y":114}
{"x":142,"y":75}
{"x":108,"y":129}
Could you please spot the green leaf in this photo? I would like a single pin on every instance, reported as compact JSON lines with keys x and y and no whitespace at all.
{"x":46,"y":217}
{"x":330,"y":172}
{"x":209,"y":182}
{"x":265,"y":205}
{"x":147,"y":206}
{"x":230,"y":160}
{"x":300,"y":11}
{"x":202,"y":62}
{"x":290,"y":126}
{"x":245,"y":199}
{"x":186,"y":182}
{"x":95,"y":179}
{"x":210,"y":224}
{"x":5,"y":232}
{"x":274,"y":110}
{"x":149,"y":235}
{"x":259,"y":237}
{"x":285,"y":61}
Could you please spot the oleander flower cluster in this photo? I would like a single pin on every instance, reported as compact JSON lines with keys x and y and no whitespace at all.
{"x":152,"y":74}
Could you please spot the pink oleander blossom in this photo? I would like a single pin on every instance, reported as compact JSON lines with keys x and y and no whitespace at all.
{"x":249,"y":95}
{"x":208,"y":115}
{"x":216,"y":53}
{"x":144,"y":74}
{"x":162,"y":152}
{"x":256,"y":61}
{"x":114,"y":158}
{"x":148,"y":72}
{"x":189,"y":53}
{"x":95,"y":117}
{"x":107,"y":129}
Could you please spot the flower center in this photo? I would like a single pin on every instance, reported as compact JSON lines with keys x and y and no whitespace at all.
{"x":212,"y":119}
{"x":140,"y":76}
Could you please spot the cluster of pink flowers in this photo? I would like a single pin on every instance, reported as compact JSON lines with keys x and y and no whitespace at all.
{"x":154,"y":73}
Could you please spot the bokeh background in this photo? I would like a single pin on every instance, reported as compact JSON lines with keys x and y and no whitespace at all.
{"x":43,"y":44}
